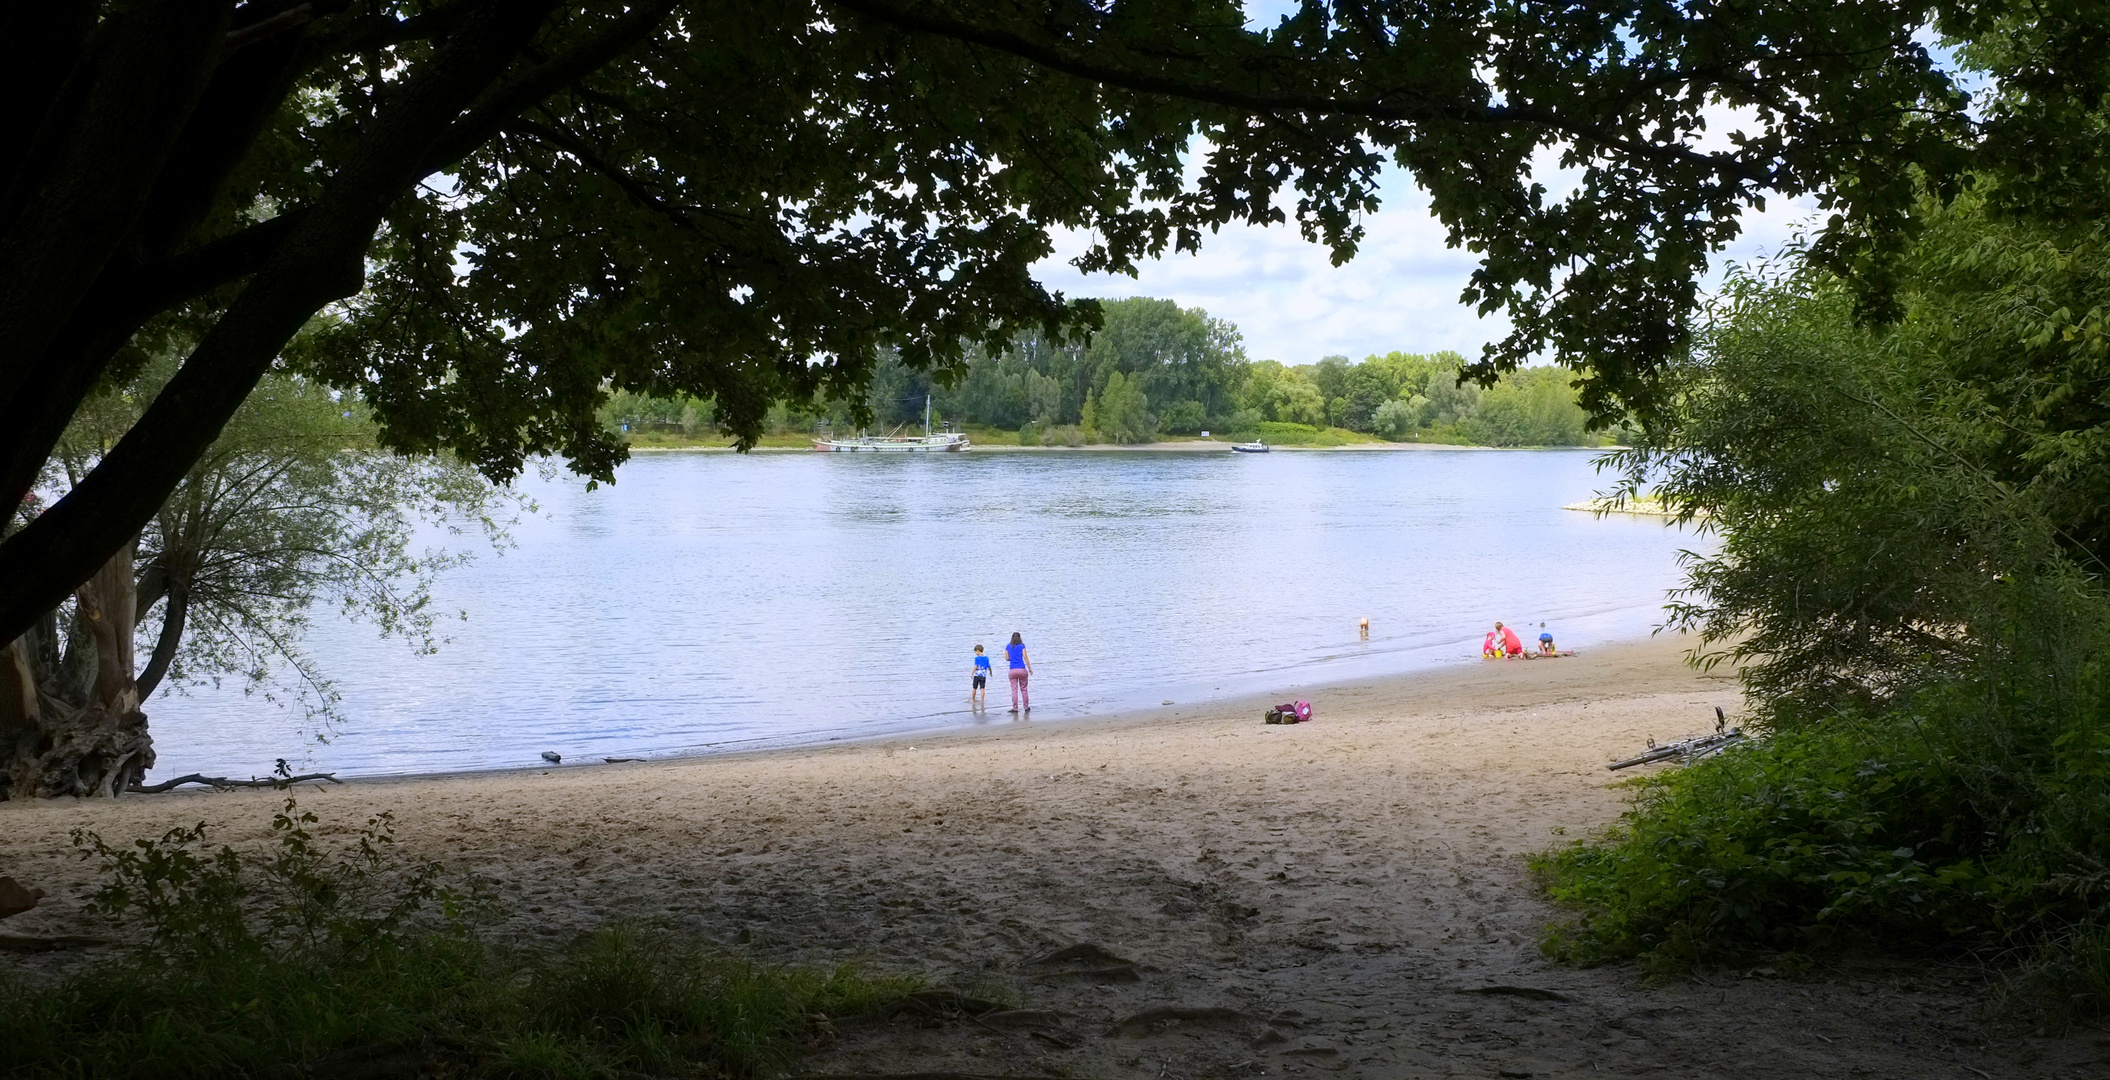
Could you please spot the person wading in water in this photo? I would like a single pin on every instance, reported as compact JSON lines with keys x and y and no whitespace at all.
{"x":1021,"y":667}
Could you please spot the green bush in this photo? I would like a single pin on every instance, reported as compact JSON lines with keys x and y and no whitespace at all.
{"x":1280,"y":433}
{"x":1910,"y":579}
{"x":1123,"y":412}
{"x":1181,"y":418}
{"x":1974,"y":813}
{"x":1394,"y":419}
{"x":254,"y":961}
{"x":1529,"y":407}
{"x":1241,"y":424}
{"x":1778,"y":846}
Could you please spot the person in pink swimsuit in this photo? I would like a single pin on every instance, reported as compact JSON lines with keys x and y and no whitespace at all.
{"x":1021,"y":667}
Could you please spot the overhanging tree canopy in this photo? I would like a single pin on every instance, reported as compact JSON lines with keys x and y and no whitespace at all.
{"x":510,"y":205}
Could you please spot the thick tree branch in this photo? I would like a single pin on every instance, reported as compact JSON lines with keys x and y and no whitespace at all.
{"x":262,"y":20}
{"x":127,"y":296}
{"x":381,"y":31}
{"x":587,"y":156}
{"x":516,"y":95}
{"x":1402,"y":108}
{"x":152,"y":588}
{"x":241,"y":95}
{"x":247,"y":89}
{"x":105,"y":166}
{"x":321,"y":260}
{"x":39,"y":45}
{"x":167,"y":641}
{"x":208,"y":266}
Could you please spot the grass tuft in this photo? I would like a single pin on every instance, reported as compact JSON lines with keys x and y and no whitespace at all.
{"x":255,"y":962}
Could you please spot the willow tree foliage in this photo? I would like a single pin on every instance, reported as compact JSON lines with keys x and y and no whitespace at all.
{"x":289,"y":508}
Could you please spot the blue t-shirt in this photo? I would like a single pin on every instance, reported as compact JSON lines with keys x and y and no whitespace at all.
{"x":981,"y":663}
{"x":1017,"y":653}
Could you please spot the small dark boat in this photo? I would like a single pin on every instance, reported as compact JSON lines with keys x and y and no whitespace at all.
{"x":1249,"y":448}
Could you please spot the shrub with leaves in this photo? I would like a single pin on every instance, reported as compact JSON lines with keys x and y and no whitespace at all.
{"x":1910,"y":576}
{"x":296,"y":895}
{"x":253,"y":961}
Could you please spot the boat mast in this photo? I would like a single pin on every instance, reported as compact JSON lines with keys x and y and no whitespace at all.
{"x":926,"y":416}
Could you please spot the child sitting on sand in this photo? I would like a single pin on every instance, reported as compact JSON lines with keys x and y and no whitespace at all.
{"x":1546,"y":645}
{"x":1488,"y":649}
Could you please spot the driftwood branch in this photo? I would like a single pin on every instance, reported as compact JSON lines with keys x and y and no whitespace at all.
{"x":221,"y":783}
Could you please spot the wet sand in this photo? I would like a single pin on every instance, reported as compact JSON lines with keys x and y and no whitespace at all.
{"x":1343,"y":897}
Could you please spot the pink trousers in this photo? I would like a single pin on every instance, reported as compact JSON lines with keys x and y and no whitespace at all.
{"x":1018,"y":688}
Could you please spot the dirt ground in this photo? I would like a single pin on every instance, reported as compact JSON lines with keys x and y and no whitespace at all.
{"x":1346,"y":897}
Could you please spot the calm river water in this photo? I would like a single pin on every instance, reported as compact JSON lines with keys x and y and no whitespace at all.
{"x":711,"y":602}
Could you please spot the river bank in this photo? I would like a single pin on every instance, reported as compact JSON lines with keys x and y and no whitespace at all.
{"x":1175,"y":446}
{"x":1277,"y":436}
{"x":1358,"y":879}
{"x":803,"y":598}
{"x":1172,"y":446}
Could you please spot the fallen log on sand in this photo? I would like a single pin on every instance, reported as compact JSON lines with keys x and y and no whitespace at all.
{"x":221,"y":783}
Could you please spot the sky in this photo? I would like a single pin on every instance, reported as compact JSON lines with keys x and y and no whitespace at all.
{"x":1399,"y":293}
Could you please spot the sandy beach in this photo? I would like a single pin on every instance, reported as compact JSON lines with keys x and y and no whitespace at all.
{"x":1343,"y":897}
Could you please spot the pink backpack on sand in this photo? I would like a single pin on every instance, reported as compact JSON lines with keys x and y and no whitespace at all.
{"x":1295,"y":712}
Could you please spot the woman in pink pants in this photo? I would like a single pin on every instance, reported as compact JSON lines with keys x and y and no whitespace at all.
{"x":1021,"y":666}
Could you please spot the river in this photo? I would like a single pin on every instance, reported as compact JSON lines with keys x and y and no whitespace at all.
{"x":710,"y":602}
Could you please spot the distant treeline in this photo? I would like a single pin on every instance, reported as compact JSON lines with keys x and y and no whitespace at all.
{"x":1156,"y":369}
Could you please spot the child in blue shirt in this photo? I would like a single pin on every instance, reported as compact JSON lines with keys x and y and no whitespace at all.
{"x":980,"y":696}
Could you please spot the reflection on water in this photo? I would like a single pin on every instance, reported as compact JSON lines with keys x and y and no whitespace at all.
{"x":712,"y":601}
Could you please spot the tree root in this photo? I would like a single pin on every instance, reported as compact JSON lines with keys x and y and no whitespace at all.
{"x":1532,"y":992}
{"x":221,"y":783}
{"x":1087,"y":952}
{"x":1153,"y":1021}
{"x":17,"y":943}
{"x":921,"y":1076}
{"x":1120,"y":973}
{"x":66,"y":750}
{"x":943,"y":1004}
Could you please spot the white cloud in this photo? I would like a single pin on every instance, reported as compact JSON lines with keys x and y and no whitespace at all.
{"x":1293,"y":305}
{"x":1399,"y":292}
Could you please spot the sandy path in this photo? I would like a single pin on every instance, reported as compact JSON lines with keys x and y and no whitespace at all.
{"x":1354,"y":879}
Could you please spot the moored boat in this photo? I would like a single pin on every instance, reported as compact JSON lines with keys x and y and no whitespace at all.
{"x":1249,"y":448}
{"x":926,"y":443}
{"x":941,"y":442}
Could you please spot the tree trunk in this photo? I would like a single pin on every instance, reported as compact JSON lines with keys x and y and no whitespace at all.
{"x":322,"y":258}
{"x":76,"y":729}
{"x":170,"y":638}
